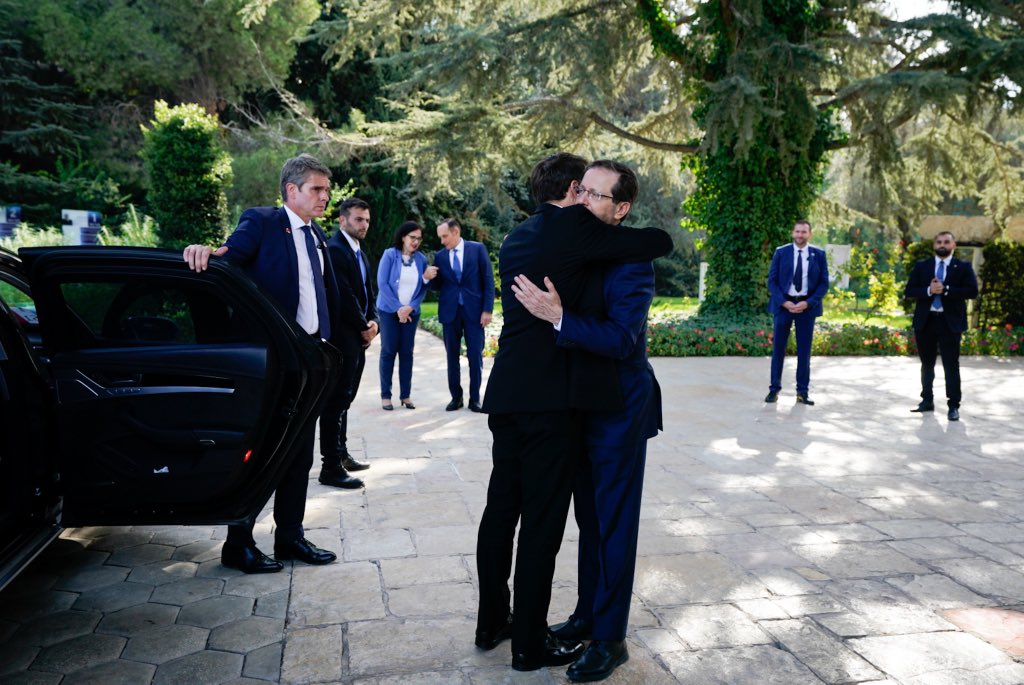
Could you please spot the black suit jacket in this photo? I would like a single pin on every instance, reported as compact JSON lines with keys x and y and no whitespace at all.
{"x":961,"y":285}
{"x":358,"y":298}
{"x":569,"y":245}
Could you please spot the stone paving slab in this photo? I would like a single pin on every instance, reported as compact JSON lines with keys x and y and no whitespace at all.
{"x":845,"y":543}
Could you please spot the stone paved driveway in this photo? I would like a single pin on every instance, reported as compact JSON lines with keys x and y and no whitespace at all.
{"x":849,"y":542}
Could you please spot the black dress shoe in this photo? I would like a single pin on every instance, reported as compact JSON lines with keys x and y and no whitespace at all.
{"x":475,"y":406}
{"x":804,"y":399}
{"x":489,"y":639}
{"x":954,"y":414}
{"x":454,"y":404}
{"x":248,"y":559}
{"x":573,"y":629}
{"x":599,"y":659}
{"x":352,"y":464}
{"x":556,"y":652}
{"x":303,"y":550}
{"x":924,"y":406}
{"x":772,"y":396}
{"x":339,"y":478}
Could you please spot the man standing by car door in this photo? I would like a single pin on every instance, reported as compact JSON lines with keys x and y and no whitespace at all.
{"x":282,"y":249}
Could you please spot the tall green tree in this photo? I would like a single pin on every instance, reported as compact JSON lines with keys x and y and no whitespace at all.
{"x":748,"y":96}
{"x":204,"y":51}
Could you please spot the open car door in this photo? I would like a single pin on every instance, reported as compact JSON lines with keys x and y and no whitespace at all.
{"x":178,"y":395}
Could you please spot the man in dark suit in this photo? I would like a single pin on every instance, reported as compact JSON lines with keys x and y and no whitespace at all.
{"x":609,"y":482}
{"x":533,"y":397}
{"x":278,"y":248}
{"x":941,"y":286}
{"x":465,"y":278}
{"x":358,"y":314}
{"x":797,"y":284}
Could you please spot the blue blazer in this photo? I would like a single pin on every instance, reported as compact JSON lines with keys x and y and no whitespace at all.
{"x":389,"y":271}
{"x":263,"y":245}
{"x":780,"y":278}
{"x":628,"y":291}
{"x":476,"y":285}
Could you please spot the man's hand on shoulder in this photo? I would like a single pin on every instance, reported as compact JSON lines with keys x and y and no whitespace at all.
{"x":198,"y":256}
{"x":545,"y":305}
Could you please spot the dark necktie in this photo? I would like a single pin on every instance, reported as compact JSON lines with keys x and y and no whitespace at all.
{"x":940,"y":273}
{"x":362,"y":278}
{"x":322,"y":314}
{"x":798,"y":275}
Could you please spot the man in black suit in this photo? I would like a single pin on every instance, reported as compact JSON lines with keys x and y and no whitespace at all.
{"x":277,"y":247}
{"x":358,"y":315}
{"x":941,"y":285}
{"x":534,"y":395}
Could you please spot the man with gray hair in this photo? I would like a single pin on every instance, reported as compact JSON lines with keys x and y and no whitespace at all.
{"x":282,"y":249}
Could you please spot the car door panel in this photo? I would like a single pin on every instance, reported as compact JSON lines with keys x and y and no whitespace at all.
{"x":177,"y":395}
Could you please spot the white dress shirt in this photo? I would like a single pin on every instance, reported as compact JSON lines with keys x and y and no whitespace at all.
{"x":306,"y":315}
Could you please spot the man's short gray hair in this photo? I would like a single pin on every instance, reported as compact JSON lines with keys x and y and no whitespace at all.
{"x":297,"y":169}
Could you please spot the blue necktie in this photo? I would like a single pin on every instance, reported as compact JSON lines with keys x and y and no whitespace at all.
{"x":362,"y":275}
{"x":940,"y":273}
{"x":798,"y":275}
{"x":322,"y":315}
{"x":457,"y":268}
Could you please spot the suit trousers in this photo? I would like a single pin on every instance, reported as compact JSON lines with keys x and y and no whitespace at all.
{"x":606,"y":495}
{"x":396,"y":340}
{"x":334,"y":418}
{"x":935,"y":338}
{"x":468,"y":327}
{"x":804,"y":325}
{"x":289,"y":496}
{"x":534,"y":457}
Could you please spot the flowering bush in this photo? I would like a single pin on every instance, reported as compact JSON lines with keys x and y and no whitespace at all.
{"x":675,"y":335}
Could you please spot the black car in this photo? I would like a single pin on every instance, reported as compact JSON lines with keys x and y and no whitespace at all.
{"x":135,"y":391}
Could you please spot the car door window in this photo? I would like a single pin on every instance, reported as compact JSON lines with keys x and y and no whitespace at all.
{"x":146,"y":313}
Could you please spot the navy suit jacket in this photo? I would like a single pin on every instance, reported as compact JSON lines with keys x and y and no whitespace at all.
{"x":357,"y":297}
{"x":961,"y":285}
{"x":780,"y":277}
{"x":621,"y":335}
{"x":262,"y":244}
{"x":476,"y":285}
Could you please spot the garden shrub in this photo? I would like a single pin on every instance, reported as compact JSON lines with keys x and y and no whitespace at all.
{"x":188,"y":172}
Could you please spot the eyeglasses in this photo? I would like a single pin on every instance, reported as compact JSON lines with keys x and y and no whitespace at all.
{"x":593,"y":194}
{"x":416,"y":238}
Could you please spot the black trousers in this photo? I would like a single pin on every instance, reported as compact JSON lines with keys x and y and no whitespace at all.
{"x":933,"y":339}
{"x":289,"y":497}
{"x":534,"y":457}
{"x":334,"y":417}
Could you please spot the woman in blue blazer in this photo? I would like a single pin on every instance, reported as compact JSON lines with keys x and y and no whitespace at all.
{"x":401,"y":285}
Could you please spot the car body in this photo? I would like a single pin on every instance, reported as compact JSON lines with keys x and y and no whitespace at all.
{"x":136,"y":391}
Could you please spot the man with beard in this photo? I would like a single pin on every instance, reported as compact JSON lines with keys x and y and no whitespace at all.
{"x":609,"y":481}
{"x":797,"y":282}
{"x":534,"y":396}
{"x":941,"y":286}
{"x":358,"y":312}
